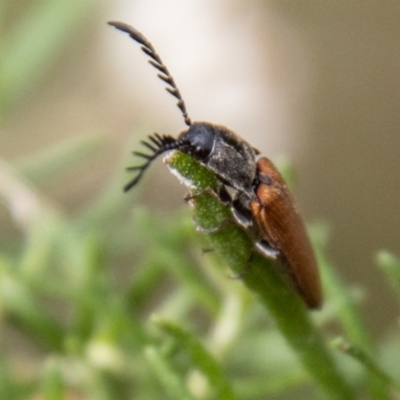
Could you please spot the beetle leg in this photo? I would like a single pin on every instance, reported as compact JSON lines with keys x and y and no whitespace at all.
{"x":241,"y":210}
{"x":192,"y":196}
{"x":267,"y":250}
{"x":264,"y":248}
{"x":224,"y":195}
{"x":241,"y":214}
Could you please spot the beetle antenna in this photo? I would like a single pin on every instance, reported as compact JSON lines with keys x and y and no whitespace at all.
{"x":156,"y":62}
{"x":157,"y":144}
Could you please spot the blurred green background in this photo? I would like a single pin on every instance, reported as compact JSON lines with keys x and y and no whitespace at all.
{"x":315,"y":82}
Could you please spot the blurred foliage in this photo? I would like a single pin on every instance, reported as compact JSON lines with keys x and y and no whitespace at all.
{"x":117,"y":307}
{"x":34,"y":42}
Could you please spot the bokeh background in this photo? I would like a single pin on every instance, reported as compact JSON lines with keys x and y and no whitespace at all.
{"x":315,"y":82}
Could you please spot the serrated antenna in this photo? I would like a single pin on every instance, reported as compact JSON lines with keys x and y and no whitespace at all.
{"x":156,"y":62}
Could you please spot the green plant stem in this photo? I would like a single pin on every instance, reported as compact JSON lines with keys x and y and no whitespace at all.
{"x":201,"y":358}
{"x":352,"y":322}
{"x":390,"y":265}
{"x":234,"y":246}
{"x":358,"y":354}
{"x":52,"y":380}
{"x":24,"y":312}
{"x":173,"y":385}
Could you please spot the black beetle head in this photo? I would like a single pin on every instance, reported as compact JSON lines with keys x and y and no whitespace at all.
{"x":222,"y":151}
{"x":198,"y":141}
{"x":229,"y":157}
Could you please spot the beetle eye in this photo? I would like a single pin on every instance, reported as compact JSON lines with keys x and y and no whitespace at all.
{"x":201,"y":152}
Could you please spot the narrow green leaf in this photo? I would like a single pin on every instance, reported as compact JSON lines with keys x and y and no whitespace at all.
{"x":23,"y":311}
{"x":201,"y":358}
{"x":350,"y":317}
{"x":276,"y":385}
{"x":52,"y":380}
{"x":174,"y":386}
{"x":390,"y":265}
{"x":362,"y":357}
{"x":7,"y":390}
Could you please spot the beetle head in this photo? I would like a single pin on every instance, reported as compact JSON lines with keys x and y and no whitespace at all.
{"x":197,"y":141}
{"x":231,"y":158}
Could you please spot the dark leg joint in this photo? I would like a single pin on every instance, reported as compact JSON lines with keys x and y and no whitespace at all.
{"x":267,"y":250}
